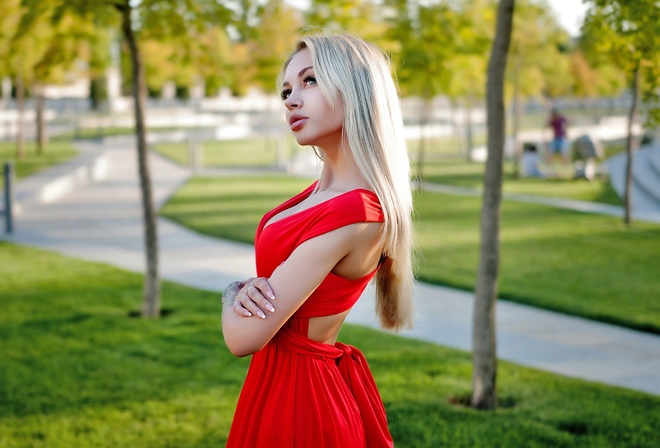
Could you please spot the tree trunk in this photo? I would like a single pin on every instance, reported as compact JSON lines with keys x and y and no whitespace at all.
{"x":630,"y":147}
{"x":468,"y":128}
{"x":151,"y":305}
{"x":42,"y":136}
{"x":20,"y":121}
{"x":484,"y":354}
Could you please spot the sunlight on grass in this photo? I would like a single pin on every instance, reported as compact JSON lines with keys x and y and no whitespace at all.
{"x":75,"y":371}
{"x":583,"y":264}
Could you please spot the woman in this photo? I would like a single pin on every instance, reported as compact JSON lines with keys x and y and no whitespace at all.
{"x":316,"y":253}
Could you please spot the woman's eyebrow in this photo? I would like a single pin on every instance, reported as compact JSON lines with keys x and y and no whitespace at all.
{"x":301,"y":72}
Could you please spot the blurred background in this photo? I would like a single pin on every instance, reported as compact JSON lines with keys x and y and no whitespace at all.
{"x":210,"y":69}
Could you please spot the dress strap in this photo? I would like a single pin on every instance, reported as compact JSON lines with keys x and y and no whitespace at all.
{"x":355,"y":371}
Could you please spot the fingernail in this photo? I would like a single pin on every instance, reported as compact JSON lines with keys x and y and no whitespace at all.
{"x":270,"y":308}
{"x":271,"y":296}
{"x":247,"y":313}
{"x":262,"y":315}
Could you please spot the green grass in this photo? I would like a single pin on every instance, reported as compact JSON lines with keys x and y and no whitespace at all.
{"x":252,"y":152}
{"x":76,"y":371}
{"x":470,"y":175}
{"x":56,"y":152}
{"x":582,"y":264}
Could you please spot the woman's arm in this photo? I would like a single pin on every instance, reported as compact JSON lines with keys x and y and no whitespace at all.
{"x":292,"y":283}
{"x":257,"y":295}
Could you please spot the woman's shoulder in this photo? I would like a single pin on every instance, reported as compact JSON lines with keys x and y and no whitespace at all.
{"x":360,"y":203}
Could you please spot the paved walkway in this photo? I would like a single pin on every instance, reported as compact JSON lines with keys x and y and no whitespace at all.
{"x":89,"y":208}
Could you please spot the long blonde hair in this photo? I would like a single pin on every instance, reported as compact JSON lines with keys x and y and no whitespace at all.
{"x":373,"y":130}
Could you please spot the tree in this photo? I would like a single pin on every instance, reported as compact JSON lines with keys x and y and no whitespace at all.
{"x":628,"y":31}
{"x":150,"y":19}
{"x":484,"y":347}
{"x":63,"y":47}
{"x":26,"y":47}
{"x":43,"y":52}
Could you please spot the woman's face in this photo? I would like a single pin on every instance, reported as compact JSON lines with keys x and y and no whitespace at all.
{"x":310,"y":116}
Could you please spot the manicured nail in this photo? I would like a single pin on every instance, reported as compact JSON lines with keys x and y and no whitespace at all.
{"x":269,"y":307}
{"x":271,"y":296}
{"x":261,"y":314}
{"x":247,"y":313}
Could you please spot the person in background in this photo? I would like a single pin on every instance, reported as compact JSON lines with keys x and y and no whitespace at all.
{"x":530,"y":161}
{"x":558,"y":145}
{"x":317,"y":252}
{"x":585,"y":150}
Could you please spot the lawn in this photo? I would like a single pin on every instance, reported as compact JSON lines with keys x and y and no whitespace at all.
{"x":110,"y":131}
{"x":77,"y":371}
{"x":56,"y":152}
{"x":582,"y":264}
{"x":470,"y":175}
{"x":251,"y":152}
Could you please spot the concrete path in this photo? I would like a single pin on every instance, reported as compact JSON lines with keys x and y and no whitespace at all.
{"x":98,"y":217}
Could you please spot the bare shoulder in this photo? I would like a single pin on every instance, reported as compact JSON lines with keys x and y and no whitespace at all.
{"x":365,"y":247}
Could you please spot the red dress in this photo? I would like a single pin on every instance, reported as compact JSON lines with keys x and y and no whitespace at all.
{"x":299,"y":392}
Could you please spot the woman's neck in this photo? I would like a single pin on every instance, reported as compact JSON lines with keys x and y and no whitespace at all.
{"x":340,"y":172}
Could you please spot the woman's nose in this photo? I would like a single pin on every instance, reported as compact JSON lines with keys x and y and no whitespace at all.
{"x":294,"y":101}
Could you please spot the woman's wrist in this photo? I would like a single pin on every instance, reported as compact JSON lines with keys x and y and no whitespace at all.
{"x":230,"y":293}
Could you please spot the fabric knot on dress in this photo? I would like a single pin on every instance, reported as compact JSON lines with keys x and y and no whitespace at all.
{"x":346,"y":349}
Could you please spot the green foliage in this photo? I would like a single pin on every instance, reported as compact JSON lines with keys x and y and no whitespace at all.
{"x":627,"y":33}
{"x":426,"y":48}
{"x":76,"y":371}
{"x":583,"y":264}
{"x":537,"y":58}
{"x":9,"y":22}
{"x":180,"y":40}
{"x":361,"y":17}
{"x":274,"y":40}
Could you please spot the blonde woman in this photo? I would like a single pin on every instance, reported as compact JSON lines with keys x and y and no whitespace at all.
{"x":316,"y":253}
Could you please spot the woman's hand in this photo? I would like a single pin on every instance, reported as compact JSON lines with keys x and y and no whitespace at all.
{"x":249,"y":298}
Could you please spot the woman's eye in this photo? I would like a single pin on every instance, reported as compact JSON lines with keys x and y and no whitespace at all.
{"x":286,"y":93}
{"x":309,"y":80}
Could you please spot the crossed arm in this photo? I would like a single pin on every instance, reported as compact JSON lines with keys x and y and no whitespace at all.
{"x":289,"y":286}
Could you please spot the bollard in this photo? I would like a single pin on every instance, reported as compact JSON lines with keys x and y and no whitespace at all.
{"x":195,"y":156}
{"x":8,"y":196}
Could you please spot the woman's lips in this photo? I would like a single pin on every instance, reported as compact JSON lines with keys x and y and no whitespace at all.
{"x":297,"y":123}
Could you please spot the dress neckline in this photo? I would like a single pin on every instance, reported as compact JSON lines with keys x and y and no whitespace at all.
{"x":298,"y":199}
